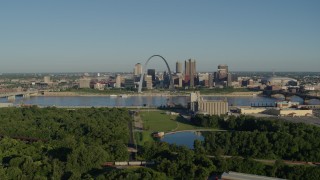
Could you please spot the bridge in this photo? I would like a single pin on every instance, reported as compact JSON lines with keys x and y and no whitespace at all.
{"x":287,"y":95}
{"x":12,"y":95}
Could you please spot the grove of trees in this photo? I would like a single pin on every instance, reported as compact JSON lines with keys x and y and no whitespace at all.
{"x":41,"y":143}
{"x":261,"y":138}
{"x":53,"y":143}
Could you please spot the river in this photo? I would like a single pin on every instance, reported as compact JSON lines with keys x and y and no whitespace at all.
{"x":140,"y":100}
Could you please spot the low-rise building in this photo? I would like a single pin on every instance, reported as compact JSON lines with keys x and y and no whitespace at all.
{"x":252,"y":110}
{"x":84,"y":83}
{"x":290,"y":112}
{"x":286,"y":104}
{"x":213,"y":107}
{"x":99,"y":86}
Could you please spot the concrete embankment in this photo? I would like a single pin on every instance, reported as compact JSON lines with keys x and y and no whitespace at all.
{"x":60,"y":94}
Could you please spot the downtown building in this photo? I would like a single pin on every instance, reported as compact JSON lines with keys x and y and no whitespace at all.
{"x":137,"y":70}
{"x":222,"y":76}
{"x":118,"y":81}
{"x":178,"y":67}
{"x":190,"y":72}
{"x":84,"y":82}
{"x":148,"y":81}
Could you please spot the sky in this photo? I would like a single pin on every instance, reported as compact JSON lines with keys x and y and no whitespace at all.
{"x":112,"y":36}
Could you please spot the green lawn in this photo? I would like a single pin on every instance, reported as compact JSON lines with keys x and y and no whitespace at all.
{"x":160,"y":121}
{"x":154,"y":121}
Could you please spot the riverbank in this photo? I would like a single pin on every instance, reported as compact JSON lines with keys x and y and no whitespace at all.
{"x":233,"y":94}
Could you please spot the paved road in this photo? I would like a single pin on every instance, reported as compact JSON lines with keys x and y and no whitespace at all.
{"x":272,"y":161}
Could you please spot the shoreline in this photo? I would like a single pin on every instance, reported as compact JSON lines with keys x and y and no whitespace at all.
{"x":74,"y":94}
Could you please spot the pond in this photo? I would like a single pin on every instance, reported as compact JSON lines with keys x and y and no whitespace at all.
{"x":183,"y":138}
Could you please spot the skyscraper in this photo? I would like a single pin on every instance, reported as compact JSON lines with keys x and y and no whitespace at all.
{"x":229,"y":80}
{"x":210,"y":80}
{"x":152,"y":72}
{"x":222,"y":72}
{"x":137,"y":71}
{"x":190,"y":71}
{"x":148,"y":81}
{"x":178,"y":67}
{"x":118,"y":81}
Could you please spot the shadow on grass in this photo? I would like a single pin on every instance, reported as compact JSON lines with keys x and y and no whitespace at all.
{"x":182,"y":120}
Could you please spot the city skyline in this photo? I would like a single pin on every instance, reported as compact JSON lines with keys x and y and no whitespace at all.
{"x":83,"y":36}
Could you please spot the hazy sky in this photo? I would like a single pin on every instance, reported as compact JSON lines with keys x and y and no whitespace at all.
{"x":101,"y":35}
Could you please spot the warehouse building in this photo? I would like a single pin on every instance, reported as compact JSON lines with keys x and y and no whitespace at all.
{"x":211,"y":107}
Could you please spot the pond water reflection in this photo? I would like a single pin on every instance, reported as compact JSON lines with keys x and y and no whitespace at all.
{"x":183,"y":138}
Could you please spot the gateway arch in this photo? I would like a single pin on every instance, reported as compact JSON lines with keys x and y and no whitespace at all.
{"x":144,"y":71}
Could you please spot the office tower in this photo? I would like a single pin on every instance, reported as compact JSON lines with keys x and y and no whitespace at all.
{"x":190,"y":71}
{"x":210,"y":80}
{"x":229,"y":80}
{"x":148,"y":80}
{"x":180,"y":81}
{"x":215,"y":77}
{"x":137,"y":71}
{"x":152,"y":73}
{"x":222,"y":72}
{"x":166,"y":79}
{"x":129,"y":83}
{"x":84,"y":83}
{"x":178,"y":67}
{"x":186,"y":70}
{"x":118,"y":81}
{"x":46,"y":79}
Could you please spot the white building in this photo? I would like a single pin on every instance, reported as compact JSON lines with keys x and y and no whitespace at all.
{"x":118,"y":81}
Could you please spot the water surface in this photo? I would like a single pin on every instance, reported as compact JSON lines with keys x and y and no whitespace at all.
{"x":141,"y":100}
{"x":183,"y":138}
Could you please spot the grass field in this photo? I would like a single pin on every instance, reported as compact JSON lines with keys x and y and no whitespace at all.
{"x":160,"y":121}
{"x":154,"y":121}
